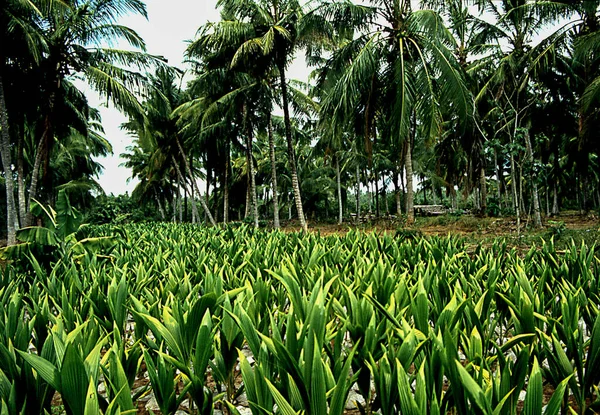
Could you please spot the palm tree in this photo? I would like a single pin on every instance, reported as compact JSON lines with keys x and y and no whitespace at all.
{"x":148,"y":165}
{"x":159,"y":131}
{"x":518,"y":59}
{"x":19,"y":41}
{"x":585,"y":43}
{"x":74,"y":34}
{"x":275,"y":30}
{"x":471,"y":55}
{"x":407,"y":53}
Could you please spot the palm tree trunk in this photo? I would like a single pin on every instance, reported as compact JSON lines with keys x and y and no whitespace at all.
{"x":276,"y":223}
{"x":11,"y":210}
{"x":384,"y":194}
{"x":179,"y":204}
{"x":160,"y":208}
{"x":194,"y":185}
{"x":513,"y":174}
{"x":290,"y":147}
{"x":35,"y":175}
{"x":357,"y":194}
{"x":410,"y":213}
{"x":498,"y":180}
{"x":174,"y":205}
{"x":521,"y":193}
{"x":537,"y":216}
{"x":483,"y":189}
{"x":21,"y":181}
{"x":377,"y":209}
{"x":180,"y":177}
{"x":339,"y":190}
{"x":253,"y":197}
{"x":248,"y":198}
{"x":207,"y":194}
{"x":555,"y":210}
{"x":42,"y":150}
{"x":226,"y":183}
{"x":397,"y":191}
{"x":369,"y":192}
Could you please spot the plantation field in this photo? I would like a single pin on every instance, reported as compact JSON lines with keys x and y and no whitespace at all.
{"x":169,"y":318}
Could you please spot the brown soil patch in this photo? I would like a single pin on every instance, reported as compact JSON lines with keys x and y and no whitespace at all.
{"x":463,"y":225}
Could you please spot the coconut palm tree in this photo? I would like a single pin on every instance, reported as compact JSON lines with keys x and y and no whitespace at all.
{"x":74,"y":36}
{"x":159,"y":132}
{"x":407,"y":53}
{"x":274,"y":30}
{"x":518,"y":57}
{"x":19,"y":43}
{"x":584,"y":39}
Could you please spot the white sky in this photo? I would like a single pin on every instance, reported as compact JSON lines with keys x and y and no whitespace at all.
{"x":170,"y":23}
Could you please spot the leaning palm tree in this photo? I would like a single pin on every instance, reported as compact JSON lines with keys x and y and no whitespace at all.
{"x":274,"y":30}
{"x":74,"y":35}
{"x":159,"y":132}
{"x":406,"y":53}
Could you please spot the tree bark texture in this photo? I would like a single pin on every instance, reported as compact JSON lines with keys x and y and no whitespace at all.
{"x":249,"y":152}
{"x":290,"y":148}
{"x":410,"y":211}
{"x":276,"y":223}
{"x":339,"y":190}
{"x":11,"y":210}
{"x":194,"y":185}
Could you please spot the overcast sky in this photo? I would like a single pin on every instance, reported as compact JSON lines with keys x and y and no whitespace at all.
{"x":170,"y":24}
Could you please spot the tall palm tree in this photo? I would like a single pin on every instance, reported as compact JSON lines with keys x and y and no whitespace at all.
{"x":19,"y":42}
{"x":408,"y":52}
{"x":518,"y":58}
{"x":74,"y":34}
{"x":470,"y":53}
{"x":274,"y":29}
{"x":585,"y":43}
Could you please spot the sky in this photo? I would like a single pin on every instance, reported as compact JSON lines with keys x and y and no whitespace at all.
{"x":170,"y":24}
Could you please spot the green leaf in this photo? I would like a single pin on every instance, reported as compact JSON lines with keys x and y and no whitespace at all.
{"x":533,"y":399}
{"x":44,"y":368}
{"x":340,"y":392}
{"x":473,"y":389}
{"x":318,"y":389}
{"x":74,"y":380}
{"x":556,"y":401}
{"x":284,"y":406}
{"x":92,"y":406}
{"x":159,"y":329}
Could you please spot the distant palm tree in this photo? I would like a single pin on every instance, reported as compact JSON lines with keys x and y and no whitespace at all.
{"x":159,"y":132}
{"x":274,"y":30}
{"x":408,"y":53}
{"x":517,"y":60}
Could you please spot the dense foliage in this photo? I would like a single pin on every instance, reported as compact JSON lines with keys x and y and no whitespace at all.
{"x":296,"y":321}
{"x":478,"y":104}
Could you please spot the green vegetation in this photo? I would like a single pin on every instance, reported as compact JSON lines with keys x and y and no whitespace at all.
{"x":295,"y":322}
{"x":480,"y":105}
{"x":487,"y":109}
